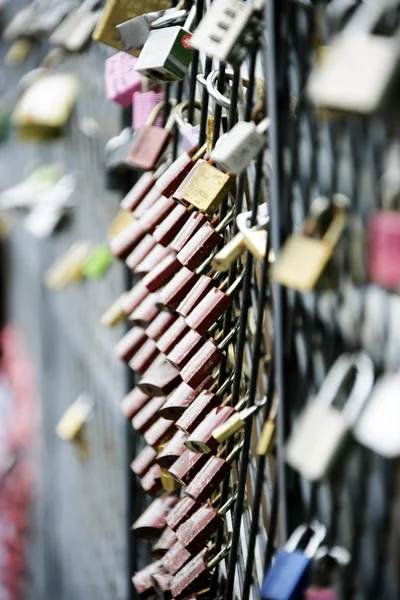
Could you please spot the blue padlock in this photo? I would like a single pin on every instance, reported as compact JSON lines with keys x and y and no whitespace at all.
{"x":288,"y":577}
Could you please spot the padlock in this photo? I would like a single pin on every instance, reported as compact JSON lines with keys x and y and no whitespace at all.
{"x":133,"y":402}
{"x":177,"y":288}
{"x":201,"y":437}
{"x":340,"y":80}
{"x":162,"y":273}
{"x":150,"y":142}
{"x":76,"y":29}
{"x":151,"y":481}
{"x":188,"y":466}
{"x":119,"y":11}
{"x":207,"y":188}
{"x":161,"y":431}
{"x":254,"y":238}
{"x":211,"y":307}
{"x":200,"y":289}
{"x":139,"y":191}
{"x":172,"y":450}
{"x":193,"y":224}
{"x":143,"y":103}
{"x":197,"y":158}
{"x":211,"y":475}
{"x":303,"y":259}
{"x":166,"y":55}
{"x":189,"y":133}
{"x":235,"y":422}
{"x":171,"y":180}
{"x":151,"y":522}
{"x":164,"y":543}
{"x":162,"y":585}
{"x":181,"y":512}
{"x":145,"y":312}
{"x":149,"y":200}
{"x":121,"y":79}
{"x":71,"y":424}
{"x":144,"y":357}
{"x":183,"y":397}
{"x":200,"y":407}
{"x":144,"y":461}
{"x":229,"y":253}
{"x":176,"y":558}
{"x":185,"y":349}
{"x":241,"y":146}
{"x":383,"y":236}
{"x":170,"y":484}
{"x":166,"y":231}
{"x":228,"y":29}
{"x":130,"y":344}
{"x":160,"y":379}
{"x":172,"y":335}
{"x":140,"y":253}
{"x":288,"y":576}
{"x":68,"y":268}
{"x":132,"y":299}
{"x":142,"y":581}
{"x":321,"y":430}
{"x":205,"y":360}
{"x":160,"y":324}
{"x":376,"y":428}
{"x":196,"y":574}
{"x":150,"y":263}
{"x":267,"y":437}
{"x":148,"y":415}
{"x":326,"y":562}
{"x":122,"y":219}
{"x":133,"y":33}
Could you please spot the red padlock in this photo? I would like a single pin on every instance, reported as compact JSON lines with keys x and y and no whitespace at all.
{"x":181,"y":511}
{"x":172,"y":178}
{"x":164,"y":543}
{"x":172,"y":336}
{"x":144,"y":357}
{"x":171,"y":225}
{"x":151,"y":261}
{"x":142,"y":581}
{"x":148,"y":201}
{"x":176,"y":558}
{"x":187,"y":466}
{"x":126,"y":240}
{"x":194,"y":222}
{"x":148,"y":415}
{"x":173,"y":450}
{"x":161,"y":431}
{"x":177,"y":289}
{"x":211,"y":307}
{"x":383,"y":249}
{"x":157,"y":213}
{"x":162,"y":585}
{"x":183,"y":397}
{"x":132,"y":341}
{"x":205,"y":402}
{"x":161,"y":273}
{"x":199,"y":246}
{"x":207,"y":480}
{"x":200,"y":289}
{"x":205,"y":360}
{"x":140,"y":252}
{"x":133,"y":402}
{"x":161,"y":323}
{"x":139,"y":191}
{"x":151,"y":481}
{"x":131,"y":300}
{"x":196,"y":574}
{"x":160,"y":380}
{"x":185,"y":349}
{"x":147,"y":310}
{"x":151,"y":523}
{"x":144,"y":461}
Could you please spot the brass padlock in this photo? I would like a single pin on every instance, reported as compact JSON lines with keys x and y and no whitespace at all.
{"x":73,"y":420}
{"x":207,"y":188}
{"x":229,"y":253}
{"x":68,"y":269}
{"x":303,"y":259}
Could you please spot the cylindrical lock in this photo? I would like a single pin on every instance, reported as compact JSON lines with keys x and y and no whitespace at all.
{"x":148,"y":201}
{"x":143,"y":582}
{"x":198,"y":411}
{"x":151,"y":481}
{"x":134,"y":297}
{"x":157,"y":213}
{"x":201,"y":439}
{"x":161,"y":380}
{"x":181,"y":511}
{"x":171,"y":225}
{"x":138,"y":255}
{"x":164,"y":543}
{"x":187,"y":466}
{"x":172,"y":336}
{"x":176,"y":290}
{"x":132,"y":341}
{"x":161,"y":323}
{"x":139,"y":191}
{"x":194,"y":222}
{"x":176,"y":558}
{"x":148,"y":415}
{"x":169,"y":483}
{"x":173,"y":450}
{"x":200,"y":289}
{"x":161,"y":273}
{"x":169,"y":181}
{"x":183,"y":397}
{"x":123,"y":243}
{"x":199,"y":246}
{"x":150,"y":262}
{"x":192,"y":578}
{"x":133,"y":402}
{"x":184,"y":350}
{"x":151,"y":522}
{"x":207,"y":480}
{"x":144,"y":357}
{"x":147,"y":310}
{"x":144,"y":461}
{"x":162,"y":585}
{"x":161,"y":431}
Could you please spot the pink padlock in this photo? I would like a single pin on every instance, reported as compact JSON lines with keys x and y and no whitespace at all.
{"x":320,"y":593}
{"x":384,"y":249}
{"x":142,"y":105}
{"x":121,"y":79}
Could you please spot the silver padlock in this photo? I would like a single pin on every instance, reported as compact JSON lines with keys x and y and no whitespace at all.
{"x":228,"y":29}
{"x":166,"y":55}
{"x":241,"y":145}
{"x":360,"y":70}
{"x":189,"y":133}
{"x":322,"y":429}
{"x":76,"y":29}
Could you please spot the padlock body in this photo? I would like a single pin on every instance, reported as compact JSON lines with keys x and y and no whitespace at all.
{"x":172,"y":451}
{"x":169,"y":181}
{"x":164,"y":543}
{"x":208,"y":310}
{"x":194,"y":222}
{"x":151,"y":481}
{"x":187,"y":466}
{"x":301,"y":262}
{"x":181,"y":512}
{"x":176,"y":558}
{"x":195,"y":532}
{"x":320,"y":593}
{"x":121,"y":78}
{"x":144,"y":461}
{"x":160,"y":380}
{"x":239,"y":148}
{"x":133,"y":298}
{"x":185,"y":349}
{"x":151,"y":522}
{"x":143,"y":582}
{"x":179,"y":286}
{"x":161,"y":323}
{"x":142,"y":105}
{"x":201,"y":439}
{"x":166,"y":55}
{"x":141,"y":251}
{"x":207,"y":480}
{"x":384,"y":249}
{"x":144,"y":357}
{"x":162,"y":585}
{"x":197,"y":411}
{"x":171,"y":225}
{"x":145,"y":312}
{"x":132,"y":341}
{"x":202,"y":364}
{"x":161,"y":431}
{"x":153,"y":258}
{"x":196,"y":294}
{"x":207,"y":188}
{"x":147,"y":415}
{"x":148,"y":147}
{"x":199,"y":247}
{"x":172,"y":336}
{"x":183,"y":397}
{"x":138,"y":193}
{"x":133,"y":403}
{"x":123,"y":243}
{"x":288,"y":577}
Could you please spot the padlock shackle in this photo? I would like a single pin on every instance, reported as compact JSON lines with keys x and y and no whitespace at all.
{"x":226,"y":385}
{"x":319,"y":532}
{"x":178,"y":110}
{"x":232,"y":289}
{"x":228,"y":504}
{"x":231,"y":335}
{"x":220,"y":556}
{"x":225,"y":221}
{"x":235,"y":452}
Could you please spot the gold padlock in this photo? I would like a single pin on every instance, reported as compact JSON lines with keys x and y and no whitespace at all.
{"x":255,"y":241}
{"x":169,"y":483}
{"x":75,"y":417}
{"x":303,"y":259}
{"x":267,"y":438}
{"x":68,"y":268}
{"x":122,"y":219}
{"x":229,"y":253}
{"x":115,"y":314}
{"x":207,"y":188}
